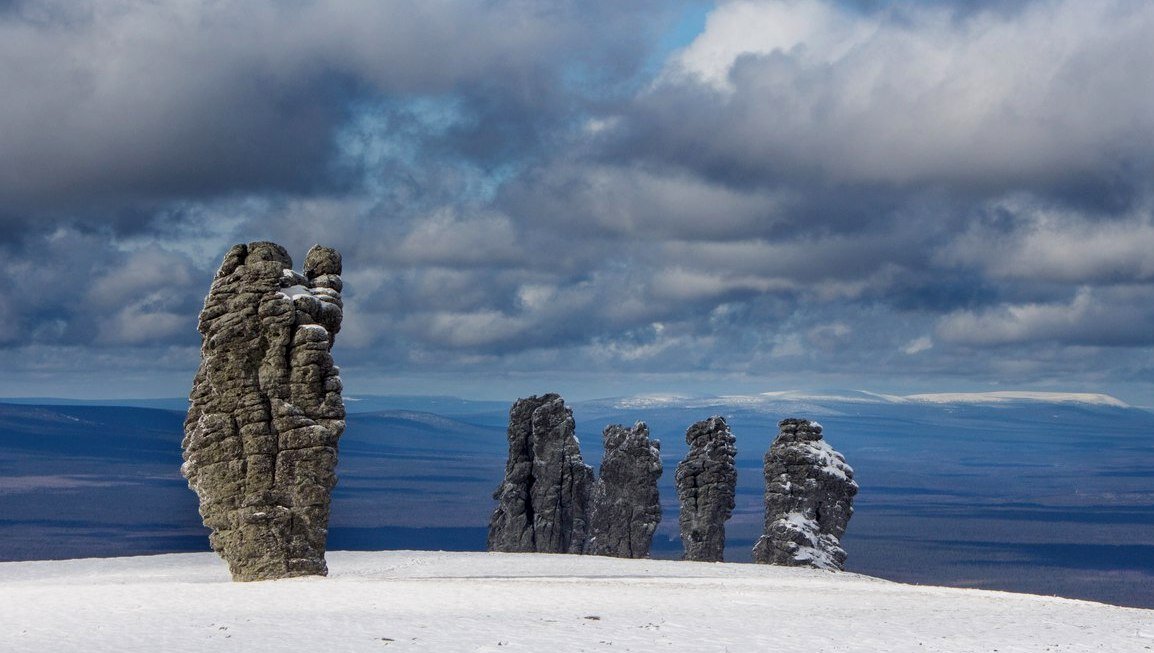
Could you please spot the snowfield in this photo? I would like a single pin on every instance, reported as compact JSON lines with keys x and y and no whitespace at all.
{"x":434,"y":601}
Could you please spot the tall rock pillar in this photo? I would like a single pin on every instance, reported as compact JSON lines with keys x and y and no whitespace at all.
{"x":543,"y":503}
{"x":706,"y":485}
{"x":626,"y":503}
{"x":809,"y":491}
{"x":265,"y":413}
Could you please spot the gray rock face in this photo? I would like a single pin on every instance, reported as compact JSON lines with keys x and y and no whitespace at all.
{"x":706,"y":485}
{"x":809,"y":491}
{"x":542,"y":505}
{"x":626,"y":503}
{"x":265,"y":413}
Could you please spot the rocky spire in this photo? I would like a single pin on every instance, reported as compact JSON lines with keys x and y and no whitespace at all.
{"x":706,"y":485}
{"x":809,"y":491}
{"x":543,"y":502}
{"x":626,"y":504}
{"x":265,"y":413}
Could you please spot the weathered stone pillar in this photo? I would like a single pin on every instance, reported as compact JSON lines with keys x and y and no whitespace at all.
{"x":706,"y":485}
{"x":626,"y":503}
{"x":809,"y":491}
{"x":542,"y":505}
{"x":265,"y":413}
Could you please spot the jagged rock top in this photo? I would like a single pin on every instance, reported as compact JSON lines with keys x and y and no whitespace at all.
{"x":542,"y":504}
{"x":810,"y":448}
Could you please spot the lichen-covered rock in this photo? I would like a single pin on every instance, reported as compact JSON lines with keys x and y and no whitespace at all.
{"x":542,"y":505}
{"x":265,"y":413}
{"x":706,"y":485}
{"x":626,"y":504}
{"x":809,"y":491}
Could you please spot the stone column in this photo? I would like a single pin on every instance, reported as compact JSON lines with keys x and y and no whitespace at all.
{"x":706,"y":485}
{"x":542,"y":505}
{"x":809,"y":491}
{"x":626,"y":502}
{"x":265,"y":412}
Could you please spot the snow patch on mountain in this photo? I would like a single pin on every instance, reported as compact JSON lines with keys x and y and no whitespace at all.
{"x":1090,"y":398}
{"x":821,"y":402}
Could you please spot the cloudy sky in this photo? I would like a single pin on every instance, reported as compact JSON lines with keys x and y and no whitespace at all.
{"x":594,"y":196}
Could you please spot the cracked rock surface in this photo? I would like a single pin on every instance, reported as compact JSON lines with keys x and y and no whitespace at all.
{"x":626,"y":502}
{"x":542,"y":505}
{"x":809,"y":491}
{"x":265,"y":411}
{"x":706,"y":484}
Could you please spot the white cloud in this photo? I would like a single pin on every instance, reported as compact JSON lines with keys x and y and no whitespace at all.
{"x":829,"y":337}
{"x":1057,"y":244}
{"x":1092,"y":317}
{"x":819,"y":31}
{"x":918,"y":345}
{"x":788,"y":345}
{"x":144,"y":320}
{"x":479,"y":328}
{"x":141,"y":274}
{"x":683,"y":284}
{"x":1058,"y":90}
{"x":636,"y":202}
{"x":446,"y":238}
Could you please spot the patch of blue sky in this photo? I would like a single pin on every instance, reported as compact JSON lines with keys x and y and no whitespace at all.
{"x":690,"y":24}
{"x":387,"y":141}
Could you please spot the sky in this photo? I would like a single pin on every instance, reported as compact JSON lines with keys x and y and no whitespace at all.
{"x":594,"y":197}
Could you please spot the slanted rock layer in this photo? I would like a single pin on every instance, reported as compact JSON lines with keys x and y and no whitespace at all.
{"x":809,"y":491}
{"x":626,"y":504}
{"x":706,"y":485}
{"x":265,"y":413}
{"x":542,"y":505}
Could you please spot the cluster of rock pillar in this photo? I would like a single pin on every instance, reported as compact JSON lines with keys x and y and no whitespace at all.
{"x":265,"y":412}
{"x":550,"y":502}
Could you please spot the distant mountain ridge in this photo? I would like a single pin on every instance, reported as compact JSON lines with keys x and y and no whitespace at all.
{"x":447,"y":405}
{"x":862,"y":396}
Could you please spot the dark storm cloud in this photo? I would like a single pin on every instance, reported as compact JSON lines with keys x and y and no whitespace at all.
{"x":107,"y":102}
{"x":867,"y":194}
{"x":70,"y":288}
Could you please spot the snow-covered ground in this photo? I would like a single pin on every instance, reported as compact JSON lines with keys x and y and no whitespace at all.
{"x":432,"y":601}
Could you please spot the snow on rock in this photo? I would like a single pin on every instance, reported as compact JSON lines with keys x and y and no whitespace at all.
{"x":450,"y":602}
{"x":809,"y":491}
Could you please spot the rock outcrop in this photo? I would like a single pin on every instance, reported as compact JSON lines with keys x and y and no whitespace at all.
{"x":626,"y":504}
{"x":706,"y":485}
{"x":542,"y":505}
{"x":265,"y":413}
{"x":809,"y":491}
